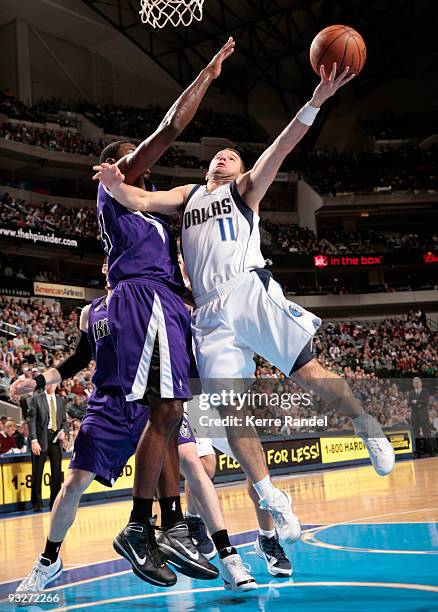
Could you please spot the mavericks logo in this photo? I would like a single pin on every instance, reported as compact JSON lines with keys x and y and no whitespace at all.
{"x":295,"y":311}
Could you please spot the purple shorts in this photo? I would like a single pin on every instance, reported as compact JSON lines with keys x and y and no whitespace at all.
{"x":108,"y":437}
{"x":185,"y":433}
{"x":109,"y":434}
{"x":150,"y":327}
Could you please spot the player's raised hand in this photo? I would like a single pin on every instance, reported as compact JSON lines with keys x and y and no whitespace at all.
{"x":109,"y":175}
{"x":329,"y":85}
{"x":21,"y":387}
{"x":216,"y":63}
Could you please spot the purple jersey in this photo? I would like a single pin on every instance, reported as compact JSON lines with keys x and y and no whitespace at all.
{"x":138,"y":245}
{"x":105,"y":377}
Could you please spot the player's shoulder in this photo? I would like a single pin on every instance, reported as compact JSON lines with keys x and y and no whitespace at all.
{"x":185,"y":190}
{"x":85,"y":317}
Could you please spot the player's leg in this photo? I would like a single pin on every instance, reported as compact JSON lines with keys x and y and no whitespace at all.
{"x":233,"y":572}
{"x":145,"y":326}
{"x":197,"y":528}
{"x":246,"y":447}
{"x":48,"y":566}
{"x":137,"y":542}
{"x":225,"y":362}
{"x":287,"y":333}
{"x":267,"y":545}
{"x":174,"y":539}
{"x":337,"y":392}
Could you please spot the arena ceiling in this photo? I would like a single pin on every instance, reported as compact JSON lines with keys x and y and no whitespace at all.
{"x":274,"y":36}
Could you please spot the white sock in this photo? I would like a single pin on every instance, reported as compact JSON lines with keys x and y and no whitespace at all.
{"x":367,"y":424}
{"x":267,"y":534}
{"x":192,"y":515}
{"x":264,"y":488}
{"x":361,"y":422}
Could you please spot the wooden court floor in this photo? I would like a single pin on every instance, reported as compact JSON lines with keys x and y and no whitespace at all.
{"x":350,"y":495}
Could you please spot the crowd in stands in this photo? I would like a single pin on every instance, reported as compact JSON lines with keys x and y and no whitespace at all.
{"x":35,"y":335}
{"x":137,"y":123}
{"x":402,"y":127}
{"x":294,"y":239}
{"x":284,"y":238}
{"x":48,"y":217}
{"x":334,"y":173}
{"x":377,"y":358}
{"x":67,"y":141}
{"x":329,"y":172}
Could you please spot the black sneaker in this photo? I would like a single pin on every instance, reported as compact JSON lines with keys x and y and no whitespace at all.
{"x":272,"y":552}
{"x":136,"y":542}
{"x":198,"y":533}
{"x":177,"y":548}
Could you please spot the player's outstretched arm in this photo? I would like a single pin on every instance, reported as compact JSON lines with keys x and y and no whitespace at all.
{"x":254,"y":184}
{"x":136,"y":199}
{"x":177,"y":118}
{"x":53,"y":376}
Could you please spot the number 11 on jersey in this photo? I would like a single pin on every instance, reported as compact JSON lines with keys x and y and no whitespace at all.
{"x":223,"y":228}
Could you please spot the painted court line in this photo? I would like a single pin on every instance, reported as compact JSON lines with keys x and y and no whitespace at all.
{"x":384,"y":585}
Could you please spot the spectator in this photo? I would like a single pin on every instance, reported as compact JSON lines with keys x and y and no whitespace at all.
{"x":47,"y":427}
{"x":7,"y":437}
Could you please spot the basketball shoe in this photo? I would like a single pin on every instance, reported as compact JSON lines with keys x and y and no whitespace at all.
{"x":177,"y":548}
{"x":235,"y":575}
{"x":279,"y":506}
{"x":136,"y":542}
{"x":379,"y":448}
{"x":199,"y":535}
{"x":42,"y":574}
{"x":272,"y":552}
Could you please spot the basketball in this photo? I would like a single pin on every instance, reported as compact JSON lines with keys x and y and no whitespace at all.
{"x":340,"y":44}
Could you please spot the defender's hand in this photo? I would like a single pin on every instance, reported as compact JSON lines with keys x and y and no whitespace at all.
{"x":216,"y":63}
{"x":329,"y":85}
{"x":21,"y":387}
{"x":109,"y":175}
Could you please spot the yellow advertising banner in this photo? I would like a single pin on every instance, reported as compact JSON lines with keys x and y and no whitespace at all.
{"x":16,"y":481}
{"x":16,"y":478}
{"x":349,"y":448}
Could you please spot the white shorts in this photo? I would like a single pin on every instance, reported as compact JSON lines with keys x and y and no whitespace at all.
{"x":206,"y":446}
{"x":244,"y":316}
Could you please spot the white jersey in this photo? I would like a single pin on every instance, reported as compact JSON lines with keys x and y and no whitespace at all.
{"x":220,"y":237}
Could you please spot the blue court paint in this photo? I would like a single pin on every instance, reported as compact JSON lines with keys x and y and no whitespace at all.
{"x":343,"y":577}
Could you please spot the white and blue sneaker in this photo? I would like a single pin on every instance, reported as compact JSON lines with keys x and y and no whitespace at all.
{"x":279,"y":506}
{"x":43,"y":573}
{"x":236,"y":575}
{"x":379,"y":448}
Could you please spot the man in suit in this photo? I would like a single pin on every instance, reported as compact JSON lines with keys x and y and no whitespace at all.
{"x":47,"y":429}
{"x":421,"y":425}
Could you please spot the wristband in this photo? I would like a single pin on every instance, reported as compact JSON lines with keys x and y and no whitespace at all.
{"x":40,"y":382}
{"x":307,"y":114}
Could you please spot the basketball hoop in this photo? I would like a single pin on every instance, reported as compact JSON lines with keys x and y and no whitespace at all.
{"x":159,"y":13}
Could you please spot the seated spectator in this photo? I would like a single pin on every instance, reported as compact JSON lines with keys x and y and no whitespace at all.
{"x":7,"y":437}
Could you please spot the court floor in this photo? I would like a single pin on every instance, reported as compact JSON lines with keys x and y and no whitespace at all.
{"x":367,"y":542}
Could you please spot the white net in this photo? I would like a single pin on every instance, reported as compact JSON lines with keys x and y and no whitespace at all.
{"x":159,"y":13}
